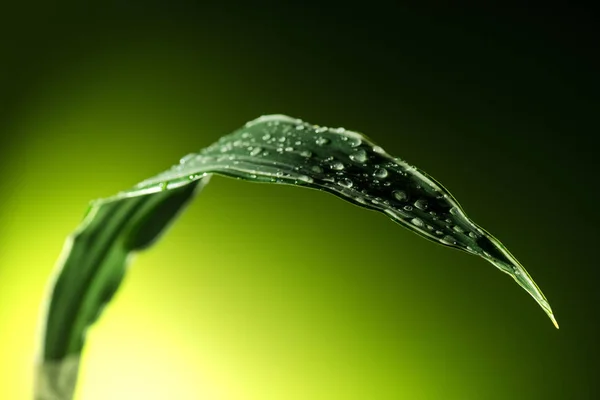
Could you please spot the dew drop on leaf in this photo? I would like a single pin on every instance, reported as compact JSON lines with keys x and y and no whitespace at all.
{"x":345,"y":182}
{"x":448,"y":239}
{"x":380,"y":173}
{"x":378,"y":150}
{"x":359,"y":156}
{"x":338,"y":166}
{"x":400,"y":195}
{"x":321,"y":141}
{"x":417,"y":222}
{"x":354,"y":141}
{"x":421,"y":204}
{"x":187,"y":158}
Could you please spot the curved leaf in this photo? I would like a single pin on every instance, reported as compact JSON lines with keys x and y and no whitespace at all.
{"x":271,"y":149}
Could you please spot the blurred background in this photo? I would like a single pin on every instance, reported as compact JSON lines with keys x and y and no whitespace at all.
{"x":266,"y":292}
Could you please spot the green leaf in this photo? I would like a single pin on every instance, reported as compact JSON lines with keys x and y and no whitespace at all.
{"x":271,"y":149}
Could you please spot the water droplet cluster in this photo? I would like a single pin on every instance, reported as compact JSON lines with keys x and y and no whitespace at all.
{"x":280,"y":149}
{"x":284,"y":150}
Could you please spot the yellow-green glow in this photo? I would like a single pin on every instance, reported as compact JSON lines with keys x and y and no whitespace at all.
{"x":258,"y":292}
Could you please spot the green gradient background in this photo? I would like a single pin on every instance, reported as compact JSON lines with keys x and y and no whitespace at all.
{"x":267,"y":292}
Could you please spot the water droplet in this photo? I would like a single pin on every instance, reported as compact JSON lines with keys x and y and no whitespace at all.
{"x":454,"y":211}
{"x":359,"y":156}
{"x":340,"y":130}
{"x":345,"y":182}
{"x":473,"y":235}
{"x":338,"y":166}
{"x":448,"y":239}
{"x":417,"y":222}
{"x":187,"y":158}
{"x":439,"y":233}
{"x":408,"y":208}
{"x":317,"y":169}
{"x":299,"y":127}
{"x":380,"y":173}
{"x":267,"y":136}
{"x":430,"y":227}
{"x":305,"y":178}
{"x":421,"y":204}
{"x":288,"y":149}
{"x":354,"y":141}
{"x":378,"y":150}
{"x":321,"y":141}
{"x":256,"y":151}
{"x":458,"y":229}
{"x":305,"y":153}
{"x":245,"y":135}
{"x":400,"y":195}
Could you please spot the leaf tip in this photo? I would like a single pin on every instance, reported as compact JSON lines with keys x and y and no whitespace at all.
{"x":551,"y":315}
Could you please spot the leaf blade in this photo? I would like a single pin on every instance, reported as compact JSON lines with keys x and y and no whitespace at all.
{"x":271,"y":149}
{"x":257,"y":152}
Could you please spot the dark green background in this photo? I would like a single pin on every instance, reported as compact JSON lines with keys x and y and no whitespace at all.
{"x":269,"y":292}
